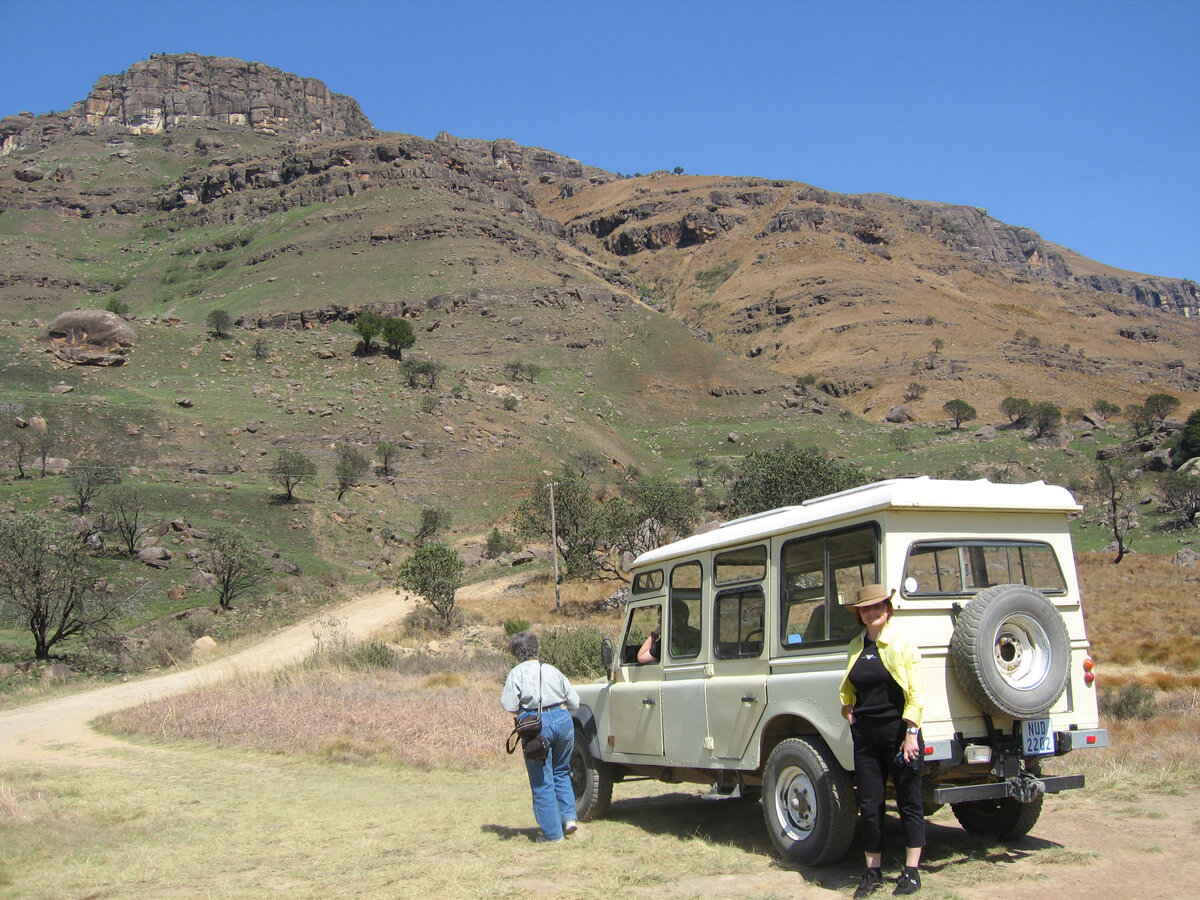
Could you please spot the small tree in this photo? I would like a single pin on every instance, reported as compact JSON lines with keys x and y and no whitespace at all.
{"x":385,"y":454}
{"x":420,"y":372}
{"x":701,"y":464}
{"x":22,"y":452}
{"x":47,"y":584}
{"x":88,"y":479}
{"x":1189,"y":439}
{"x":349,"y":466}
{"x":915,"y":391}
{"x":1140,"y":418}
{"x":938,"y":344}
{"x":435,"y":572}
{"x":291,"y":469}
{"x":1044,"y":417}
{"x":44,"y":442}
{"x":116,"y":306}
{"x":218,"y":321}
{"x":235,"y":563}
{"x":125,"y":508}
{"x":790,"y":475}
{"x":398,"y":336}
{"x":498,"y":542}
{"x":1159,"y":406}
{"x":1181,"y":490}
{"x":368,"y":325}
{"x":1016,"y":409}
{"x":1114,"y":483}
{"x":433,"y":520}
{"x":1105,"y":409}
{"x":959,"y":411}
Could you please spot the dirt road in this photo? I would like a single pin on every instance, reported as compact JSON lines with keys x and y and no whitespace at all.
{"x":57,"y":730}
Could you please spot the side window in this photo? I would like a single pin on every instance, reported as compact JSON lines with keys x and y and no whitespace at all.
{"x":965,"y":567}
{"x":686,"y":593}
{"x":817,"y":574}
{"x":738,"y":617}
{"x":644,"y":582}
{"x":642,"y":621}
{"x":742,"y":564}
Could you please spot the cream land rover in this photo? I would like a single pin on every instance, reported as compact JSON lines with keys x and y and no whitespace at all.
{"x":753,"y":648}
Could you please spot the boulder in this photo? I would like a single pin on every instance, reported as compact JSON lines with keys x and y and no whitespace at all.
{"x":898,"y":415}
{"x":158,"y":557}
{"x":91,"y":328}
{"x":203,"y":647}
{"x":56,"y":672}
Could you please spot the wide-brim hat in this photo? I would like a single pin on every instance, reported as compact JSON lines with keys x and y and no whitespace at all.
{"x":870,"y":594}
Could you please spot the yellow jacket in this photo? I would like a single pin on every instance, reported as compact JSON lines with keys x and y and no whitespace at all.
{"x":902,"y":659}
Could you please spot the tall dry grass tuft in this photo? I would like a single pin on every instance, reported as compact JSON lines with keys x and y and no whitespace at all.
{"x":348,"y":702}
{"x":1161,"y":754}
{"x":10,"y":808}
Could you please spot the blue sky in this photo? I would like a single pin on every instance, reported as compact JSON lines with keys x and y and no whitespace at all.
{"x":1080,"y":120}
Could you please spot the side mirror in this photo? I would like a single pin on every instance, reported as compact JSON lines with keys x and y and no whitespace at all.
{"x":606,"y":653}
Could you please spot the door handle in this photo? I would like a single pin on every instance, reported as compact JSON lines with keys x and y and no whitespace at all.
{"x":749,"y":699}
{"x":648,"y":701}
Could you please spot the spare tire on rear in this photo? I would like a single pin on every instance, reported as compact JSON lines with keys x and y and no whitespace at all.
{"x":1010,"y":651}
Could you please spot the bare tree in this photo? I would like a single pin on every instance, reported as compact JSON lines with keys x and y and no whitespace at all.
{"x":48,"y":586}
{"x":126,"y":508}
{"x":1114,"y":484}
{"x":88,"y":479}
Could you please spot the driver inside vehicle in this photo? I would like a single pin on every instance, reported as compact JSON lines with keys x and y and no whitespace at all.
{"x":685,"y":640}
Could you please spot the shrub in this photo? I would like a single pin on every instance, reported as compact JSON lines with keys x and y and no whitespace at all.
{"x":499,"y":542}
{"x":117,"y":306}
{"x":1131,"y":701}
{"x":515,"y":626}
{"x":574,"y":651}
{"x":510,"y":402}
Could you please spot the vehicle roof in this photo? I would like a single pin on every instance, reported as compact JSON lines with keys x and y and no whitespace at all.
{"x":899,"y":493}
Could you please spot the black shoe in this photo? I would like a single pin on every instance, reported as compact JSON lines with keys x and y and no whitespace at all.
{"x":871,"y":882}
{"x":909,"y":882}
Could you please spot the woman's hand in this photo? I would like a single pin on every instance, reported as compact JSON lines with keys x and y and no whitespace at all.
{"x":848,"y":714}
{"x":910,"y":747}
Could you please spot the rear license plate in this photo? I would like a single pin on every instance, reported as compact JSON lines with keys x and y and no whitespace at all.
{"x":1037,"y":739}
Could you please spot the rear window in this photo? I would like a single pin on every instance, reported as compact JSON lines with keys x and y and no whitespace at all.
{"x":966,"y":567}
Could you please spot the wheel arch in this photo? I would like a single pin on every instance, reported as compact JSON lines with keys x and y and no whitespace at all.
{"x":585,"y":727}
{"x":786,"y":725}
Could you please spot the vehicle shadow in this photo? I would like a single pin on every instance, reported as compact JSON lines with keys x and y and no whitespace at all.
{"x":739,"y":823}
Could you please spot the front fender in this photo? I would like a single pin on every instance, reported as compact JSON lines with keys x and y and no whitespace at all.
{"x":585,"y":727}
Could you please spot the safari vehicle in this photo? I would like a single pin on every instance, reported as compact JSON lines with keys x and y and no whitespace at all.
{"x":753,"y":648}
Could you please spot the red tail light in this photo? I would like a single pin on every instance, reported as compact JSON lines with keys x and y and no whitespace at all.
{"x":1089,"y":676}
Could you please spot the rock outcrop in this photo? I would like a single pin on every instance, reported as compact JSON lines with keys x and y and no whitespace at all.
{"x":170,"y":90}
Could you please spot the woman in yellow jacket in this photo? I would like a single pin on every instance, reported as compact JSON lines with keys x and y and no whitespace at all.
{"x":881,"y":698}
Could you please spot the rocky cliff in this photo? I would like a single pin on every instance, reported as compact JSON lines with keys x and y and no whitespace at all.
{"x":168,"y":91}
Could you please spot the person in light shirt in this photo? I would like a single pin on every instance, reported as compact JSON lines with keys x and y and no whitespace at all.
{"x":532,"y":685}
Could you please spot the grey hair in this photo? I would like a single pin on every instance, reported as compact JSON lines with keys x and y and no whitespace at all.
{"x":524,"y":645}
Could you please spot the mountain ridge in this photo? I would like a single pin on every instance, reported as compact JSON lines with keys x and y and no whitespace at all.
{"x":193,"y":181}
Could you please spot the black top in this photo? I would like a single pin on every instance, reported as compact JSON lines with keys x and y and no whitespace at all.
{"x":878,"y":697}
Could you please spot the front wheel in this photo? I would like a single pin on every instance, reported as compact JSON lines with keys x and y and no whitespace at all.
{"x":1003,"y":818}
{"x":808,"y":802}
{"x":592,"y":781}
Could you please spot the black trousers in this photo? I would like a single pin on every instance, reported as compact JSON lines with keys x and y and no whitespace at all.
{"x":876,"y":744}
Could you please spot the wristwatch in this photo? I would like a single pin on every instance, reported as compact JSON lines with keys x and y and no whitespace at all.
{"x":913,"y":730}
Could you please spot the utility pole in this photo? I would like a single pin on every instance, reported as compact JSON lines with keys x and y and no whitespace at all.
{"x":554,"y":551}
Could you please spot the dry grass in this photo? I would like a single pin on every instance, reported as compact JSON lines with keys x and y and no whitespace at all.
{"x":437,"y":720}
{"x":1141,"y":611}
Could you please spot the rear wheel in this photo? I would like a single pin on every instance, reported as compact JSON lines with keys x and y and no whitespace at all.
{"x":592,"y":781}
{"x":808,"y":802}
{"x":1002,"y":818}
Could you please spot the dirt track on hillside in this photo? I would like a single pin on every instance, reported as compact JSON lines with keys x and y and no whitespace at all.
{"x":58,"y":730}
